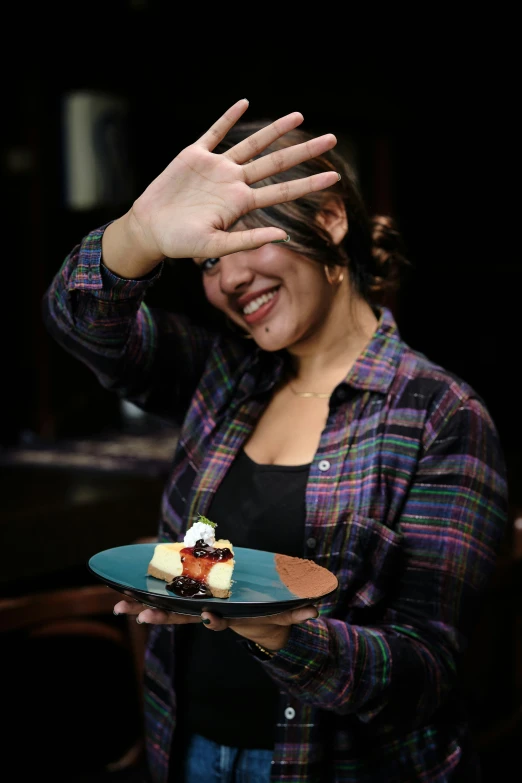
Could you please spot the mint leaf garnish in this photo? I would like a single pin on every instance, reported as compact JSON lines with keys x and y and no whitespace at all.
{"x":205,"y":521}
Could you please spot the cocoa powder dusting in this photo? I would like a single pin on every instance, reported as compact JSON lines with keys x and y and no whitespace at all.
{"x":304,"y":578}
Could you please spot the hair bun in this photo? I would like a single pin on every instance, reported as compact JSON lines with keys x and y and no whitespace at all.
{"x":388,"y":253}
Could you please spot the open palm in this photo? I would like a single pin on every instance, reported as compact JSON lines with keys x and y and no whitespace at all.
{"x":187,"y":210}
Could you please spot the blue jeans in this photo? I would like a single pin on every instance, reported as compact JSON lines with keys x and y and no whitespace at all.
{"x":208,"y":762}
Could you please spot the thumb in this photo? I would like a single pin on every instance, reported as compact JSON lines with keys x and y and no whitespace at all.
{"x":304,"y":613}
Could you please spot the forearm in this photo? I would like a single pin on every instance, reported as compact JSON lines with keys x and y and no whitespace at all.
{"x":357,"y":670}
{"x":91,"y":311}
{"x":152,"y":357}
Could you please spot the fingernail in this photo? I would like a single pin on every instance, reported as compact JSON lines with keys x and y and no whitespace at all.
{"x":338,"y":176}
{"x":205,"y":620}
{"x":278,"y":241}
{"x":140,"y":622}
{"x":116,"y":613}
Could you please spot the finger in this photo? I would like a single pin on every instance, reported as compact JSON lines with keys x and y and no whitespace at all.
{"x":159,"y":617}
{"x":219,"y":129}
{"x":282,"y":160}
{"x":127,"y":607}
{"x":261,"y":139}
{"x":303,"y":614}
{"x":269,"y":195}
{"x":227,"y":243}
{"x":213,"y":622}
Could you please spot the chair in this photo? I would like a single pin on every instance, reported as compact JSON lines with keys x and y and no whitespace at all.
{"x":68,"y":642}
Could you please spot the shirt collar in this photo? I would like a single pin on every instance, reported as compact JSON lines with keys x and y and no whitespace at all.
{"x":374,"y":370}
{"x":377,"y":365}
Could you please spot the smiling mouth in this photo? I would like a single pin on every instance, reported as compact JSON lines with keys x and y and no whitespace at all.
{"x":256,"y":304}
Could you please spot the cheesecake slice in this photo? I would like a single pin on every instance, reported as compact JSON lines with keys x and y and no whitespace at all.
{"x":198,"y":567}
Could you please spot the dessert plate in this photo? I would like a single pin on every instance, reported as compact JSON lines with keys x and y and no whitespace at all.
{"x":257,"y":587}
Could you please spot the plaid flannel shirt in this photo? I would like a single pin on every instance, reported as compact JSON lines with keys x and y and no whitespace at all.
{"x":406,"y":503}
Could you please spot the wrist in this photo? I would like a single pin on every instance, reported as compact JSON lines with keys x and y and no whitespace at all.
{"x":125,"y":251}
{"x":136,"y":229}
{"x":273,"y":642}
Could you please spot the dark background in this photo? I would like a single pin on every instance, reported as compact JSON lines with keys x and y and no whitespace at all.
{"x":424,"y":104}
{"x":424,"y":114}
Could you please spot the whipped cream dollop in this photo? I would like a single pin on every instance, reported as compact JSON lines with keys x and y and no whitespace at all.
{"x":200,"y":530}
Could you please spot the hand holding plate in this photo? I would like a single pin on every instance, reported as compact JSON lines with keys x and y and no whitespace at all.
{"x":271,"y":632}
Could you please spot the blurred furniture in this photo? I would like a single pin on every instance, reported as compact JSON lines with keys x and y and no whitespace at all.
{"x":70,"y":499}
{"x":144,"y":453}
{"x":104,"y":738}
{"x":71,"y":671}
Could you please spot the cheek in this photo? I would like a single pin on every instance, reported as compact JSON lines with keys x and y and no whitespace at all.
{"x":310,"y":292}
{"x":313,"y":302}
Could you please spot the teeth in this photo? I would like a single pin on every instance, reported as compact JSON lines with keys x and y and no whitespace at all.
{"x":255,"y":304}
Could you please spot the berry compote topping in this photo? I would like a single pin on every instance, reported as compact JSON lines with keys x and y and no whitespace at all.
{"x":188,"y":588}
{"x":197,"y":562}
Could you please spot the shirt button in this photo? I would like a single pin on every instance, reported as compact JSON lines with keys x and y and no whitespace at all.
{"x":89,"y":275}
{"x":342,"y":394}
{"x":311,"y":542}
{"x":324,"y":465}
{"x":289,"y":713}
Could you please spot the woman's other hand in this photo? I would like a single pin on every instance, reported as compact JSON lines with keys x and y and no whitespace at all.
{"x":187,"y":210}
{"x":270,"y":632}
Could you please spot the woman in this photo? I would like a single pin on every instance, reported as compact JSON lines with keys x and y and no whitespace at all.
{"x":313,"y":430}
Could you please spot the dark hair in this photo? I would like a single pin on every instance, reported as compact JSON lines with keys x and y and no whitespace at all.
{"x":372,"y":249}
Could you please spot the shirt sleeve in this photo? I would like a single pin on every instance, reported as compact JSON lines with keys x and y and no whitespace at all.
{"x":405,"y":666}
{"x":148,"y":356}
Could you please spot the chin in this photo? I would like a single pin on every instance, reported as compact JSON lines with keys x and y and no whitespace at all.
{"x":271,"y":341}
{"x":270,"y":347}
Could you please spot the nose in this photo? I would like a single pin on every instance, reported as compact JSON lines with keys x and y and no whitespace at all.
{"x":234,"y":272}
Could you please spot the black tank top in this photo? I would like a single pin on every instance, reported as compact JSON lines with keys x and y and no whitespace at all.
{"x":223,"y":692}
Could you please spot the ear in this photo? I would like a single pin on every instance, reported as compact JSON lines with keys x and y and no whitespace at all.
{"x":333,"y":219}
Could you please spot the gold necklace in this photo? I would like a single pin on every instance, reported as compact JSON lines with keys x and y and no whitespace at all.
{"x":320,"y":395}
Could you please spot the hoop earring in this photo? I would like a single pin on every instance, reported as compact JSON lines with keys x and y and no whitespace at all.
{"x":337,"y":281}
{"x":236,"y":330}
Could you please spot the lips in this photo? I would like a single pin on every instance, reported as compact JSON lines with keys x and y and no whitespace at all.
{"x":247,"y":298}
{"x":262,"y":308}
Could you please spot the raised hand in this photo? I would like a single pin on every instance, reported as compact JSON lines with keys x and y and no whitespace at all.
{"x":187,"y":210}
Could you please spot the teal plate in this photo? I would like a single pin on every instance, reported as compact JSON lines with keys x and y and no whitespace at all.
{"x":257,"y":590}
